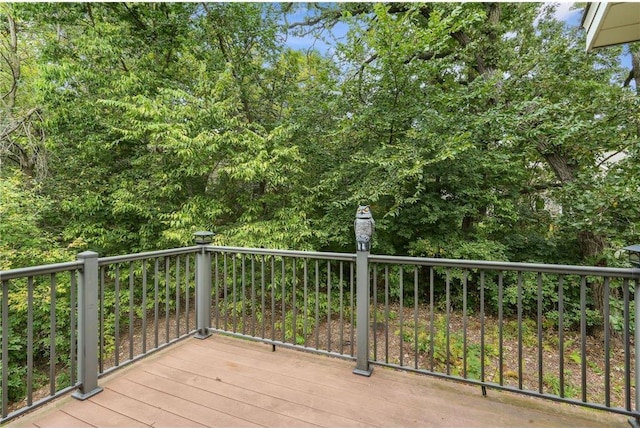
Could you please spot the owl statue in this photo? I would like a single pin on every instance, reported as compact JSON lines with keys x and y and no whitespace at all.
{"x":364,"y":227}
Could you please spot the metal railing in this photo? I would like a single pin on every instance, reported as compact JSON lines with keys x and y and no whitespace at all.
{"x":296,"y":299}
{"x":520,"y":327}
{"x":70,"y":323}
{"x":38,"y":319}
{"x":146,"y":302}
{"x":525,"y":328}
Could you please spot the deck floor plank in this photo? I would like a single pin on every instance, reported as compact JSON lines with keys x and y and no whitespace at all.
{"x":339,"y":400}
{"x":99,"y":416}
{"x":146,"y":413}
{"x":228,"y":382}
{"x":60,"y":419}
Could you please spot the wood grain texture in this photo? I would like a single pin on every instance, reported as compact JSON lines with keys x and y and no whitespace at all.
{"x":228,"y":382}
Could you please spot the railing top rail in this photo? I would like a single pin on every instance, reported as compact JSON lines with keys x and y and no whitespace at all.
{"x":513,"y":266}
{"x":103,"y":261}
{"x":39,"y":270}
{"x":349,"y":257}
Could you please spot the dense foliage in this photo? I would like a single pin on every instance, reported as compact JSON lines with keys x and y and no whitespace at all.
{"x":474,"y":130}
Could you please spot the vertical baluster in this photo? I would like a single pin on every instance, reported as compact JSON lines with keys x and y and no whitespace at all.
{"x":29,"y":341}
{"x":243,"y":302}
{"x":306,"y":303}
{"x":386,"y":314}
{"x":317,"y":304}
{"x":341,"y":287}
{"x":101,"y":353}
{"x":328,"y":305}
{"x":500,"y":328}
{"x":156,"y":300}
{"x":607,"y":344}
{"x":52,"y":337}
{"x":167,"y":281}
{"x":561,"y":332}
{"x":217,"y":289}
{"x":116,"y":309}
{"x":352,"y":309}
{"x":520,"y":356}
{"x":225,"y":287}
{"x":294,"y":303}
{"x":263,"y":308}
{"x":253,"y":296}
{"x":415,"y":315}
{"x":464,"y":323}
{"x":273,"y":298}
{"x":375,"y":312}
{"x":131,"y":320}
{"x":186,"y":293}
{"x":627,"y":347}
{"x":482,"y":345}
{"x":144,"y":306}
{"x":583,"y":336}
{"x":401,"y":317}
{"x":448,"y":303}
{"x":432,"y":318}
{"x":72,"y":310}
{"x":177,"y":296}
{"x":540,"y":353}
{"x":234,"y":280}
{"x":284,"y":296}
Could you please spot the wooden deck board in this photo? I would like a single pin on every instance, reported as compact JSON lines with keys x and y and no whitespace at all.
{"x":234,"y":383}
{"x":147,"y":414}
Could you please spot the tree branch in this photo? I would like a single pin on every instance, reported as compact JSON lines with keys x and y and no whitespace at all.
{"x":629,"y":78}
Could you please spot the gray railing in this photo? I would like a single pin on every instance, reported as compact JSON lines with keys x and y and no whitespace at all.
{"x":70,"y":323}
{"x":34,"y":323}
{"x":296,"y":299}
{"x":511,"y":326}
{"x":146,"y":302}
{"x":526,"y":328}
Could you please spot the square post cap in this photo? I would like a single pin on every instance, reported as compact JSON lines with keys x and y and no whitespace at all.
{"x":203,"y":237}
{"x":634,"y":254}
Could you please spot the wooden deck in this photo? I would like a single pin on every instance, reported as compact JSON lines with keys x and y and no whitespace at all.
{"x":229,"y":382}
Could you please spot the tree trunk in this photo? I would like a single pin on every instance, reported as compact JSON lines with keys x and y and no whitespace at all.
{"x":591,"y":244}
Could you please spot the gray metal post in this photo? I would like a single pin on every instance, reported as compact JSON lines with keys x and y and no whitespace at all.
{"x":203,"y":286}
{"x":88,"y":327}
{"x":362,"y":309}
{"x":364,"y":226}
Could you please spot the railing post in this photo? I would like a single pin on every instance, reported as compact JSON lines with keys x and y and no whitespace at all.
{"x":88,"y":327}
{"x":364,"y":226}
{"x":634,"y":259}
{"x":203,"y":285}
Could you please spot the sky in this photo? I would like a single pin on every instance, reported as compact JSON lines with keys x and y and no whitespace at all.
{"x":564,"y":12}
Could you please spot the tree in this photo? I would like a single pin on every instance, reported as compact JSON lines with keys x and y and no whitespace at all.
{"x":21,"y":131}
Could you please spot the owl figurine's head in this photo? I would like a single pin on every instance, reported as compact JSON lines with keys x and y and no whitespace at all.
{"x":363,"y":211}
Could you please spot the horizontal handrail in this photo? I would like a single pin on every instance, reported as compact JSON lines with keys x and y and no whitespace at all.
{"x":630,"y":273}
{"x":39,"y":270}
{"x":347,"y":257}
{"x":103,"y":261}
